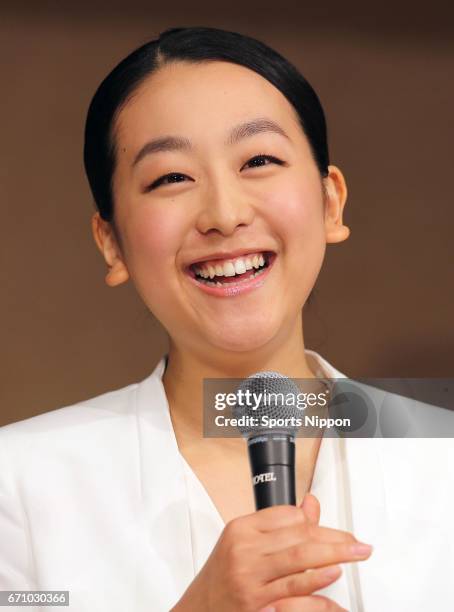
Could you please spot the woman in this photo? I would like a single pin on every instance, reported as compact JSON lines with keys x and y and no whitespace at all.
{"x":207,"y":157}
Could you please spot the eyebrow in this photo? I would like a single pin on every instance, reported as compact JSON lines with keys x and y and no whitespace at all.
{"x":237,"y":133}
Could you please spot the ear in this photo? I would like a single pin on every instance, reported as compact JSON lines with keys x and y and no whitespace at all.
{"x":107,"y":243}
{"x":335,"y":198}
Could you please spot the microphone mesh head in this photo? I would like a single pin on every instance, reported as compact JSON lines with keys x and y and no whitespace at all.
{"x":276,"y":396}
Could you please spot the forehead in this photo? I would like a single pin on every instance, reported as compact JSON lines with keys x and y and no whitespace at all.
{"x":201,"y":100}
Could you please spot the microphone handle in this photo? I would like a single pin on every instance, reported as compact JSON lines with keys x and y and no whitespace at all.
{"x":272,"y":461}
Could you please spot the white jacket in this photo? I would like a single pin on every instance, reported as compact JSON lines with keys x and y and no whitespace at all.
{"x":92,"y":500}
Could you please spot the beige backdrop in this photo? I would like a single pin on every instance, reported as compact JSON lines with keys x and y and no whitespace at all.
{"x":384,"y":299}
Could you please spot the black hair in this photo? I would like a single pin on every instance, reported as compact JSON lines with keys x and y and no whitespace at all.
{"x":192,"y":44}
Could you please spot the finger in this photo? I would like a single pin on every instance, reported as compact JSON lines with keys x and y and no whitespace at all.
{"x":305,"y":583}
{"x":279,"y":567}
{"x":276,"y":517}
{"x":286,"y":537}
{"x":311,"y":508}
{"x":315,"y":603}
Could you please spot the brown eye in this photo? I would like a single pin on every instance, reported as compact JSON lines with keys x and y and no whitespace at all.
{"x":260,"y":157}
{"x":160,"y":181}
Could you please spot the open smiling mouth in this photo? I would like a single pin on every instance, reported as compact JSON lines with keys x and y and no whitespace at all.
{"x":232,"y":272}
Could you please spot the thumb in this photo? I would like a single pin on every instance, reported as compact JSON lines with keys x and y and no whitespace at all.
{"x":311,"y":508}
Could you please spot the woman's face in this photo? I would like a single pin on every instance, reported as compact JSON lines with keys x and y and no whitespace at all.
{"x":222,"y":200}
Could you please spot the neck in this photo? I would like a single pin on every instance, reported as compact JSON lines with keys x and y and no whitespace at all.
{"x":186,"y":369}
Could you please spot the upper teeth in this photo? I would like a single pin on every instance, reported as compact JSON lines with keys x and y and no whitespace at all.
{"x":231,"y":267}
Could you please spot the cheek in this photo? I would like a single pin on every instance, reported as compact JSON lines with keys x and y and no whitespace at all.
{"x":298,"y":218}
{"x":155,"y":238}
{"x":297,"y":212}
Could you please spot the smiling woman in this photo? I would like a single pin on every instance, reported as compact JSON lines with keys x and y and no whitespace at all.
{"x":193,"y":174}
{"x":206,"y":153}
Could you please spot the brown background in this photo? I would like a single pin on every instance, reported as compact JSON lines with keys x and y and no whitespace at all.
{"x":384,"y":299}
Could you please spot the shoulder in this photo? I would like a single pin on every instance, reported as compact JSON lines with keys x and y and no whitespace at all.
{"x":80,"y":428}
{"x":61,"y":474}
{"x":89,"y":433}
{"x":104,"y":406}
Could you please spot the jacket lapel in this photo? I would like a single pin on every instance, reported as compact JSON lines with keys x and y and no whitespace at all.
{"x":164,"y":493}
{"x":361,"y":502}
{"x":364,"y":507}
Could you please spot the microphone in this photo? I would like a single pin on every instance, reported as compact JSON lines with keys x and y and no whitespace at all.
{"x":269,"y":426}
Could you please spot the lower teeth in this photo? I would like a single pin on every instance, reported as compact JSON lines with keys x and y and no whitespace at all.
{"x":218,"y":284}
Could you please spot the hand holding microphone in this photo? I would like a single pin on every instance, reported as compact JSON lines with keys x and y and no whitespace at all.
{"x":261,"y":560}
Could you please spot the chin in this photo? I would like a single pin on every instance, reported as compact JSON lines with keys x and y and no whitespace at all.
{"x":243,"y":337}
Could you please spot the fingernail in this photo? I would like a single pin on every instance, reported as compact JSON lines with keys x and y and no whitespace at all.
{"x":332,"y":572}
{"x":268,"y":609}
{"x":359,"y":550}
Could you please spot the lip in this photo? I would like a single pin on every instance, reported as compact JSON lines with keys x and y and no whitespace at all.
{"x":232,"y":289}
{"x":229,"y":255}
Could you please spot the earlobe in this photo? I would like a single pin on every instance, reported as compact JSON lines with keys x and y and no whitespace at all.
{"x":335,"y":198}
{"x":106,"y":242}
{"x":117,"y":274}
{"x":337,"y":234}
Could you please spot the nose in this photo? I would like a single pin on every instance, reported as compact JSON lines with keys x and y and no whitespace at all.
{"x":224,"y":209}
